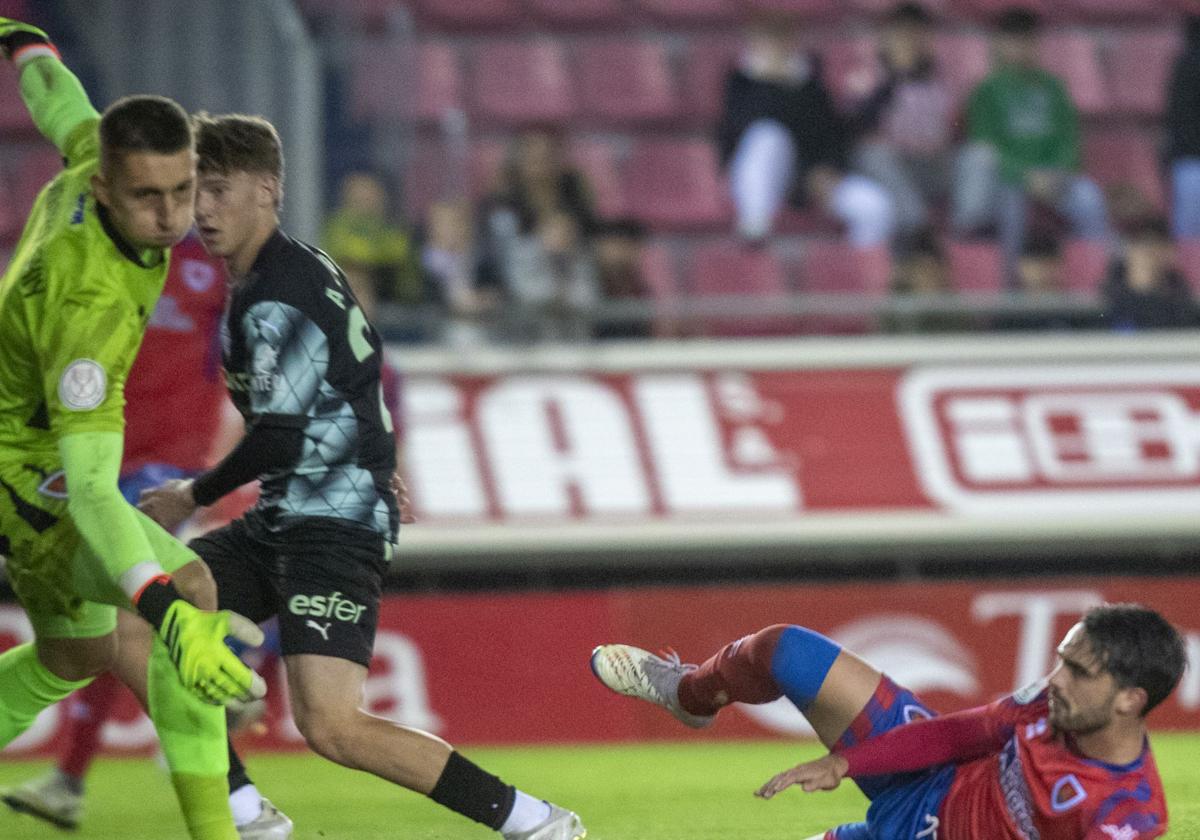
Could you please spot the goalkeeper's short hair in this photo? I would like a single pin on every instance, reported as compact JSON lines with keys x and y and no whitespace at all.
{"x":143,"y":123}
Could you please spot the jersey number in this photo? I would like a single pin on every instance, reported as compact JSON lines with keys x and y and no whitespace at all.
{"x":360,"y":345}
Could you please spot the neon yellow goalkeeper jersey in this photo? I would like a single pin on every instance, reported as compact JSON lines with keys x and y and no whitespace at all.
{"x":73,"y":307}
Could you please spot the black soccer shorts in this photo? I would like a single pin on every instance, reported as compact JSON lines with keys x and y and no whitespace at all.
{"x":322,"y":578}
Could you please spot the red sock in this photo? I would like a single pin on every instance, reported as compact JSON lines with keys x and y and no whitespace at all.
{"x":87,"y":710}
{"x":740,"y":672}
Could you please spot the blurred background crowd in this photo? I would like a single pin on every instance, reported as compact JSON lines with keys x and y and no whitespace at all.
{"x":517,"y":171}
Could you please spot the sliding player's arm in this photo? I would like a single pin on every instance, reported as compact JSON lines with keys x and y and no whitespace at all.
{"x":949,"y":739}
{"x":56,"y":100}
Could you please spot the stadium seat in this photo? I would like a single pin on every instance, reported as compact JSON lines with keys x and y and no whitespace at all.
{"x":14,"y":118}
{"x":487,"y":15}
{"x":726,"y":269}
{"x":662,"y":282}
{"x":377,"y":72}
{"x":675,"y":185}
{"x":1139,"y":67}
{"x":831,"y":266}
{"x":35,"y":170}
{"x":16,"y":9}
{"x":804,"y":8}
{"x":626,"y":81}
{"x":598,"y":161}
{"x":1084,"y":265}
{"x":1188,"y":257}
{"x":1072,"y":57}
{"x":439,"y":81}
{"x":706,"y":66}
{"x":685,"y":12}
{"x":965,"y":59}
{"x":881,"y":7}
{"x":487,"y":158}
{"x":1125,"y":156}
{"x":975,"y":267}
{"x":1115,"y":8}
{"x":988,"y":9}
{"x":568,"y":13}
{"x":523,"y":82}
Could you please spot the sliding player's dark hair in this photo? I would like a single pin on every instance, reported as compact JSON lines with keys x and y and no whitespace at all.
{"x":143,"y":124}
{"x":237,"y":143}
{"x":1138,"y":647}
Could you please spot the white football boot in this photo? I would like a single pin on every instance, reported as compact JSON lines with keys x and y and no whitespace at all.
{"x":639,"y":673}
{"x":271,"y":824}
{"x":48,"y":798}
{"x":560,"y":825}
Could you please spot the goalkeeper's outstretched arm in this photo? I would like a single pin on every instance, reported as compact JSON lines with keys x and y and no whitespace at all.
{"x":55,"y":98}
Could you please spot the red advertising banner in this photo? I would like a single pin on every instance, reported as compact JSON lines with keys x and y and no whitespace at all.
{"x":1004,"y":440}
{"x":514,"y":668}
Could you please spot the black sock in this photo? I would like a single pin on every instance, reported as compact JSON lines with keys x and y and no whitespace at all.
{"x":473,"y":792}
{"x":237,"y":771}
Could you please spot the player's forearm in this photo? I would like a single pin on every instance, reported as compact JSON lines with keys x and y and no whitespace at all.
{"x":273,"y":443}
{"x":55,"y":98}
{"x":955,"y":738}
{"x":105,"y":521}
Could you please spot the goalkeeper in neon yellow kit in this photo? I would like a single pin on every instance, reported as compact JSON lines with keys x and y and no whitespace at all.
{"x":74,"y":302}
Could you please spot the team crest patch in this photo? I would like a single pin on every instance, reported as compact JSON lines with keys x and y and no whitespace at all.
{"x":83,"y":385}
{"x":1066,"y":794}
{"x":1123,"y":832}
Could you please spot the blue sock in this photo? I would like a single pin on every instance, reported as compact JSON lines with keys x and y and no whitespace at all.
{"x":801,"y":662}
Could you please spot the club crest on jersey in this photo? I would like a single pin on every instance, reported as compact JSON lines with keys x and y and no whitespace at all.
{"x":82,"y":385}
{"x":1066,"y":794}
{"x":1120,"y":832}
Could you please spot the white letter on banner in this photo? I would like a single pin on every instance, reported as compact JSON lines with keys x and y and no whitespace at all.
{"x":693,"y":466}
{"x":443,"y":469}
{"x":595,"y":451}
{"x":1038,"y":611}
{"x":403,"y":687}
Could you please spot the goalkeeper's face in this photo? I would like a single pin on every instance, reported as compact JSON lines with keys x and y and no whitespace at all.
{"x":149,"y":196}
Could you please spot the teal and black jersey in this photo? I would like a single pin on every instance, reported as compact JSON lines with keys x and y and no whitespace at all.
{"x":300,"y":353}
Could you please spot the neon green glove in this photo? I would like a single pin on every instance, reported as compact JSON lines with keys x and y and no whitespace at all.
{"x":14,"y":35}
{"x":207,"y":667}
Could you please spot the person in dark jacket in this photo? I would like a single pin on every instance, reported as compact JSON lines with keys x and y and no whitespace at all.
{"x":780,"y":136}
{"x":1183,"y":135}
{"x":1145,"y":290}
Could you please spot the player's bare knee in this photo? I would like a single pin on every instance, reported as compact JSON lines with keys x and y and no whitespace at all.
{"x":328,"y":733}
{"x":195,"y":583}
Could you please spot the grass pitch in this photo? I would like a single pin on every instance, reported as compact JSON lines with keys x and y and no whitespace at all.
{"x":673,"y":791}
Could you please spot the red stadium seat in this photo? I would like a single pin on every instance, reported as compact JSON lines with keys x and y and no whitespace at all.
{"x":674,"y":184}
{"x":805,"y":8}
{"x":1084,"y":265}
{"x":1115,"y":157}
{"x":626,"y":81}
{"x":683,"y":12}
{"x":14,"y":117}
{"x":662,"y":282}
{"x":16,"y":9}
{"x":439,"y":81}
{"x":831,"y":266}
{"x":1188,"y":258}
{"x":882,"y":7}
{"x":35,"y":170}
{"x":377,"y":74}
{"x":706,"y":67}
{"x":989,"y":9}
{"x":1139,"y":67}
{"x":578,"y":12}
{"x":1116,"y":8}
{"x":975,"y":267}
{"x":965,"y":60}
{"x":473,"y":14}
{"x":597,"y":160}
{"x":726,"y":269}
{"x":523,"y":82}
{"x":1072,"y":57}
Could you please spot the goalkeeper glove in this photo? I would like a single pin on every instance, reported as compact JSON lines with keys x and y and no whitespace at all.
{"x":195,"y":639}
{"x":14,"y":35}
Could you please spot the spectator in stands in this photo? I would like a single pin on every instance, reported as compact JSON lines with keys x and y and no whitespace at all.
{"x":906,"y":124}
{"x":377,"y":255}
{"x":468,"y":296}
{"x":923,"y":292}
{"x":780,"y":137}
{"x":1145,"y":290}
{"x":618,"y":246}
{"x":536,"y":239}
{"x":1024,"y":147}
{"x":1183,"y":136}
{"x":1040,"y":272}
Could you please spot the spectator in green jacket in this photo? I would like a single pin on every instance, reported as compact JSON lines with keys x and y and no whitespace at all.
{"x":1023,"y":148}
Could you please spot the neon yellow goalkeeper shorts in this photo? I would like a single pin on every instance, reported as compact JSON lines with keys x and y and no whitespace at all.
{"x":63,"y":586}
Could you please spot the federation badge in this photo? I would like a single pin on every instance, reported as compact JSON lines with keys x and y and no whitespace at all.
{"x":83,"y":385}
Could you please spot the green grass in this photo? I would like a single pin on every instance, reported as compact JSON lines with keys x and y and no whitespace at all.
{"x":636,"y":792}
